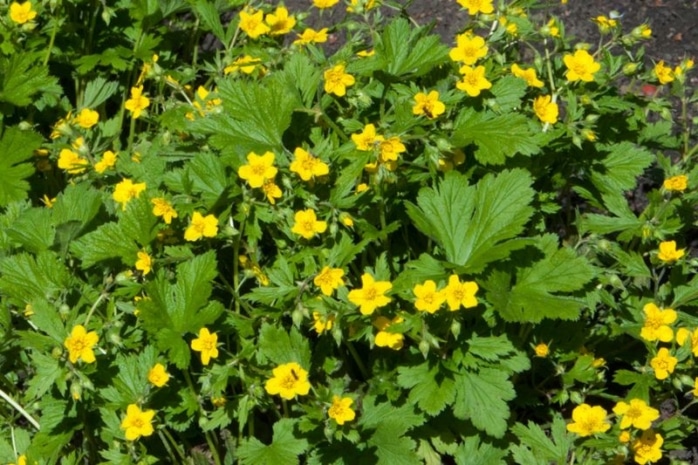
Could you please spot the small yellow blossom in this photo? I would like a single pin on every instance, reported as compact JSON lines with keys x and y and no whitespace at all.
{"x":428,"y":105}
{"x":337,"y":80}
{"x":551,"y":28}
{"x":48,"y":201}
{"x":340,"y":410}
{"x":367,"y":139}
{"x":648,"y":448}
{"x":643,"y":31}
{"x":428,"y":298}
{"x":80,"y":344}
{"x":580,"y":66}
{"x":322,"y":4}
{"x":280,"y":22}
{"x":657,"y":321}
{"x":477,"y":6}
{"x":144,"y":262}
{"x":474,"y":80}
{"x":271,"y":191}
{"x":469,"y":48}
{"x":246,"y":64}
{"x":371,"y":295}
{"x":683,"y":334}
{"x":624,"y":437}
{"x":207,"y":344}
{"x":307,"y":225}
{"x":127,"y":190}
{"x":363,"y":187}
{"x":527,"y":74}
{"x":390,"y":149}
{"x":322,"y":323}
{"x":668,"y":252}
{"x":252,"y":23}
{"x":289,"y":380}
{"x":605,"y":24}
{"x":21,"y":13}
{"x":307,"y":166}
{"x":384,"y":338}
{"x":664,"y":74}
{"x":137,"y":422}
{"x":588,"y":420}
{"x":137,"y":103}
{"x":365,"y":53}
{"x":663,"y":364}
{"x":311,"y":36}
{"x":21,"y":460}
{"x":636,"y":414}
{"x":545,"y":109}
{"x":329,"y":279}
{"x":201,"y":226}
{"x":163,"y":208}
{"x":458,"y":293}
{"x":71,"y":162}
{"x":87,"y":118}
{"x":677,"y":183}
{"x":366,"y":5}
{"x":258,"y":169}
{"x":108,"y":161}
{"x":542,"y":350}
{"x":158,"y":375}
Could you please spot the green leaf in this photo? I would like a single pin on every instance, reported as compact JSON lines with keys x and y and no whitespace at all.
{"x":26,"y":277}
{"x":97,"y":92}
{"x":207,"y":12}
{"x":285,"y":448}
{"x":619,"y":170}
{"x":472,"y":223}
{"x":106,"y":242}
{"x":79,"y":202}
{"x":482,"y":398}
{"x":208,"y":176}
{"x":302,"y":74}
{"x":47,"y":371}
{"x":508,"y":92}
{"x":430,"y":390}
{"x":496,"y":137}
{"x":391,"y":447}
{"x":277,"y":346}
{"x":640,"y":383}
{"x":33,"y":229}
{"x":47,"y":320}
{"x":473,"y":452}
{"x":21,"y":77}
{"x":552,"y":449}
{"x":16,"y":147}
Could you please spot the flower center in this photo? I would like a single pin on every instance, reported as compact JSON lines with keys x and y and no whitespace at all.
{"x":370,"y":294}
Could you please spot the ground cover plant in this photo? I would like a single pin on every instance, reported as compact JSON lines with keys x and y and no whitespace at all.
{"x":394,"y":249}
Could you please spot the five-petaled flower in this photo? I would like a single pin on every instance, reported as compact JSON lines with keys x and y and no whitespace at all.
{"x":469,"y":48}
{"x":280,"y":22}
{"x":144,"y":262}
{"x":258,"y":169}
{"x":252,"y":23}
{"x":337,"y":80}
{"x":21,"y":13}
{"x":288,"y":381}
{"x":477,"y":6}
{"x":371,"y":295}
{"x":527,"y":74}
{"x":340,"y":410}
{"x":648,"y":448}
{"x":541,"y":350}
{"x":271,"y":191}
{"x":137,"y":103}
{"x":428,"y":105}
{"x":329,"y":279}
{"x":384,"y":338}
{"x":321,"y":4}
{"x":588,"y":420}
{"x":108,"y":161}
{"x":163,"y":208}
{"x":664,"y":73}
{"x":683,"y":335}
{"x":636,"y":413}
{"x":127,"y":190}
{"x":474,"y":80}
{"x":657,"y":321}
{"x":580,"y":66}
{"x":460,"y":293}
{"x":367,"y":139}
{"x":429,"y":299}
{"x":246,"y":64}
{"x":158,"y":375}
{"x":307,"y":225}
{"x":389,"y":149}
{"x":87,"y":118}
{"x":71,"y":162}
{"x":137,"y":422}
{"x":668,"y":252}
{"x":206,"y":343}
{"x":677,"y":183}
{"x":322,"y":323}
{"x":80,"y":344}
{"x":545,"y":109}
{"x":307,"y":166}
{"x":663,"y":363}
{"x":311,"y":36}
{"x":201,"y":226}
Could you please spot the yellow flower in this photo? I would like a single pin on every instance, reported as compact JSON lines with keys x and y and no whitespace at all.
{"x":80,"y":344}
{"x":258,"y":169}
{"x":158,"y":375}
{"x":390,"y":149}
{"x":474,"y":80}
{"x":683,"y":334}
{"x":271,"y":191}
{"x":48,"y":201}
{"x":637,"y":414}
{"x":663,"y":364}
{"x":545,"y":109}
{"x":21,"y":460}
{"x":87,"y":118}
{"x":695,"y":388}
{"x":108,"y":161}
{"x":365,"y":4}
{"x":201,"y":226}
{"x":386,"y":338}
{"x":624,"y":437}
{"x":643,"y":31}
{"x":605,"y":24}
{"x":363,"y":187}
{"x":329,"y":279}
{"x":161,"y":207}
{"x":137,"y":422}
{"x":322,"y":324}
{"x":580,"y":66}
{"x":371,"y":295}
{"x":429,"y":299}
{"x":21,"y":13}
{"x":477,"y":6}
{"x":528,"y":75}
{"x":458,"y":293}
{"x":588,"y":420}
{"x":71,"y":162}
{"x":656,"y":323}
{"x":324,"y":3}
{"x":144,"y":262}
{"x":252,"y":23}
{"x":306,"y":224}
{"x":307,"y":166}
{"x":542,"y":350}
{"x":127,"y":190}
{"x":137,"y":103}
{"x":280,"y":22}
{"x":668,"y":252}
{"x":677,"y":183}
{"x":551,"y":29}
{"x":311,"y":36}
{"x":341,"y":410}
{"x":428,"y":105}
{"x":367,"y":139}
{"x":245,"y":63}
{"x":337,"y":81}
{"x":289,"y":380}
{"x":648,"y":447}
{"x":366,"y":53}
{"x":206,"y":343}
{"x":469,"y":48}
{"x":664,"y":74}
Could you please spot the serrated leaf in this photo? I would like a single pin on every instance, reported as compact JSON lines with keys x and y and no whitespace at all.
{"x":302,"y":74}
{"x":106,"y":242}
{"x":22,"y":76}
{"x":482,"y":398}
{"x":47,"y":370}
{"x":391,"y":447}
{"x":33,"y":229}
{"x":97,"y":92}
{"x":495,"y":137}
{"x":208,"y":177}
{"x":508,"y":92}
{"x":472,"y":223}
{"x":25,"y":277}
{"x":474,"y":452}
{"x":207,"y":12}
{"x":279,"y":347}
{"x":533,"y":437}
{"x":80,"y":202}
{"x":430,"y":390}
{"x":619,"y":170}
{"x":16,"y":147}
{"x":284,"y":449}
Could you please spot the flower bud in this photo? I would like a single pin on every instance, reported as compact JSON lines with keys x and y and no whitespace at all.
{"x":629,"y":69}
{"x":455,"y":328}
{"x":424,"y":347}
{"x":576,"y":397}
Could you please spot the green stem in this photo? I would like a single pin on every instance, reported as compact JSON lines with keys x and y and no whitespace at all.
{"x":99,"y":300}
{"x":175,"y":446}
{"x":357,"y":359}
{"x":209,"y":439}
{"x":335,"y":128}
{"x":52,"y":40}
{"x":21,"y":410}
{"x":131,"y":133}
